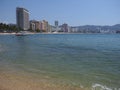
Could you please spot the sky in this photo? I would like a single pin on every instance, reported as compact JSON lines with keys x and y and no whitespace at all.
{"x":72,"y":12}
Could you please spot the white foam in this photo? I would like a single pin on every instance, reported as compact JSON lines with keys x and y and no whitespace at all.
{"x":100,"y":87}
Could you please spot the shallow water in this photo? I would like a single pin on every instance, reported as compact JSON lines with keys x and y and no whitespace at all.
{"x":77,"y":60}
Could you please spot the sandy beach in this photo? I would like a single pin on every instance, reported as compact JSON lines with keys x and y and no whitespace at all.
{"x":17,"y":81}
{"x":7,"y":33}
{"x":15,"y":33}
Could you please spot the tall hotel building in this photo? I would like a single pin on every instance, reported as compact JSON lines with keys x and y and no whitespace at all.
{"x":56,"y":23}
{"x":22,"y":18}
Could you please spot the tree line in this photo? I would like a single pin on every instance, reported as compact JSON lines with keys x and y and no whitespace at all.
{"x":8,"y":28}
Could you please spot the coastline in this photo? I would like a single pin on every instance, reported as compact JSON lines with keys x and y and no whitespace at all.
{"x":29,"y":33}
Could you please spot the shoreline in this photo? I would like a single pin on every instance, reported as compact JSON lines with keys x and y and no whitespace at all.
{"x":7,"y":33}
{"x":28,"y":33}
{"x":15,"y":33}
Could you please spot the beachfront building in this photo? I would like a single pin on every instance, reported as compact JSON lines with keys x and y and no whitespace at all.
{"x":41,"y":26}
{"x":56,"y":26}
{"x":74,"y":29}
{"x":32,"y":26}
{"x":45,"y":26}
{"x":22,"y":18}
{"x":64,"y":27}
{"x":69,"y":29}
{"x":52,"y":28}
{"x":35,"y":25}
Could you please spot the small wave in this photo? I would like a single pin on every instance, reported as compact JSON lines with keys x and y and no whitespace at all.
{"x":100,"y":87}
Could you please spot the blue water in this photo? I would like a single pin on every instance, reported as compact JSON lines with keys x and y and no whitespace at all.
{"x":85,"y":60}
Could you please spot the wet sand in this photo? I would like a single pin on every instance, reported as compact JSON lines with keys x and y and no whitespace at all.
{"x":17,"y":81}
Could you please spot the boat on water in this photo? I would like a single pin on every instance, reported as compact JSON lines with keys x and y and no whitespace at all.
{"x":55,"y":32}
{"x":21,"y":33}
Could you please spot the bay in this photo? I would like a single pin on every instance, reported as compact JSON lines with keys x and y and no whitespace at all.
{"x":82,"y":60}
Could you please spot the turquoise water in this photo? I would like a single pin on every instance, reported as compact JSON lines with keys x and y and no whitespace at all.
{"x":85,"y":60}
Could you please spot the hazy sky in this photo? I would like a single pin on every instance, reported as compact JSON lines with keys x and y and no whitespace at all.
{"x":73,"y":12}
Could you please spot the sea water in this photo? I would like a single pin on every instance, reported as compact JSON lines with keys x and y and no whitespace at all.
{"x":83,"y":60}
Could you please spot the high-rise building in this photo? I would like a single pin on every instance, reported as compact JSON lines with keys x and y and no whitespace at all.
{"x":56,"y":23}
{"x":56,"y":26}
{"x":22,"y":18}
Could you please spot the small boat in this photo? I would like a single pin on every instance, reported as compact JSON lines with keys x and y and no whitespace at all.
{"x":21,"y":34}
{"x":55,"y":32}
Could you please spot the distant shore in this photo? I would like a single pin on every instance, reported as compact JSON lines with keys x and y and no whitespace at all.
{"x":40,"y":33}
{"x":52,"y":33}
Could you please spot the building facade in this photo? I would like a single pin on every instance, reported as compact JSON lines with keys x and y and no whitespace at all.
{"x":22,"y":18}
{"x":42,"y":26}
{"x":45,"y":26}
{"x":65,"y":27}
{"x":36,"y":26}
{"x":32,"y":26}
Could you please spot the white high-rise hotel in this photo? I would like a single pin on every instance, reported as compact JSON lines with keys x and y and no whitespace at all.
{"x":22,"y":18}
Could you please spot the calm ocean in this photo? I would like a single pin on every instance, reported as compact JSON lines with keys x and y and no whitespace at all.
{"x":82,"y":60}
